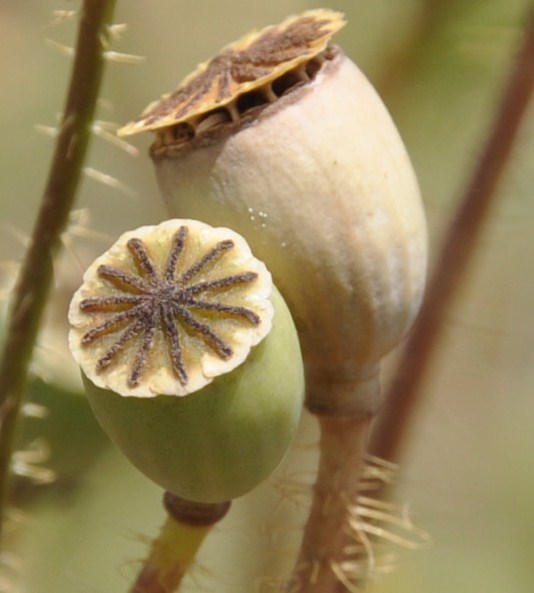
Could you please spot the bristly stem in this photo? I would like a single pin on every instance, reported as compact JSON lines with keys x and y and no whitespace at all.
{"x":327,"y":534}
{"x":175,"y":548}
{"x":64,"y":176}
{"x":402,"y":401}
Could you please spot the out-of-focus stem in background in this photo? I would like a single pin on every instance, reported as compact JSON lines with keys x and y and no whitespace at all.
{"x":401,"y":62}
{"x":60,"y":191}
{"x":405,"y":393}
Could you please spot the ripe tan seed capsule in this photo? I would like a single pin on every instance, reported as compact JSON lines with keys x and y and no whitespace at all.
{"x":305,"y":162}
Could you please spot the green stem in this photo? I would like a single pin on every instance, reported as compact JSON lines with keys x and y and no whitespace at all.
{"x":174,"y":550}
{"x":403,"y":399}
{"x":64,"y":176}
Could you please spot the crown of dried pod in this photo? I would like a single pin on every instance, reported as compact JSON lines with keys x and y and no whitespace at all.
{"x":282,"y":138}
{"x":190,"y":358}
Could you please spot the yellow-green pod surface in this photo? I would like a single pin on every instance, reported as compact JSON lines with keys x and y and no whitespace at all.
{"x":190,"y":358}
{"x":222,"y":441}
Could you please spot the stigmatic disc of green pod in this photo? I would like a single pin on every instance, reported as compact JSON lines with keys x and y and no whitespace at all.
{"x":190,"y":358}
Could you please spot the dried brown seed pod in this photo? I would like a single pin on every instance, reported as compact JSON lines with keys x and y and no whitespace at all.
{"x":301,"y":157}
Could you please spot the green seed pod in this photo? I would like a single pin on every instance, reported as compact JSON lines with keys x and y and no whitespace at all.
{"x":283,"y":139}
{"x":190,"y":358}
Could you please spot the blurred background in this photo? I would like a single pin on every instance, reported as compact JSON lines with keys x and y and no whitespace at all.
{"x":468,"y":474}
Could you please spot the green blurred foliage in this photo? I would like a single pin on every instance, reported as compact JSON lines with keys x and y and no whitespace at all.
{"x":440,"y":66}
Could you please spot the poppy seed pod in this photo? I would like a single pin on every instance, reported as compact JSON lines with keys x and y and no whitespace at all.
{"x":282,"y":138}
{"x":190,"y":358}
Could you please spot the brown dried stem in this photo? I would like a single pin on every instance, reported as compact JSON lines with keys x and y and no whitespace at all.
{"x":327,"y":532}
{"x":405,"y":394}
{"x":37,"y":270}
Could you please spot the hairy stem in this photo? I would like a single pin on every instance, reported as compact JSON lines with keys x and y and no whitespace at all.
{"x":176,"y":546}
{"x":327,"y":534}
{"x":404,"y":396}
{"x":60,"y":190}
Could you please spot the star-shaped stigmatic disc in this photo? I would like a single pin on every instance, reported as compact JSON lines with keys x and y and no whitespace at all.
{"x":168,"y":308}
{"x":240,"y":68}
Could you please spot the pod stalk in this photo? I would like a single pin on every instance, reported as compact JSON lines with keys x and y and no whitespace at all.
{"x":327,"y":532}
{"x":175,"y":548}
